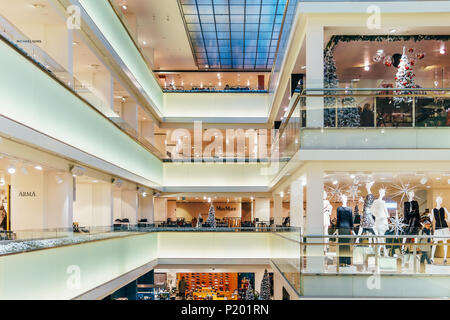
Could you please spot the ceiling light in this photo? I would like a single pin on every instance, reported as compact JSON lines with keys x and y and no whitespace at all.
{"x":335,"y":182}
{"x":282,"y":194}
{"x":144,"y":42}
{"x":251,"y":198}
{"x":204,"y":198}
{"x":366,"y":67}
{"x":352,"y":176}
{"x":423,"y":180}
{"x":2,"y":181}
{"x":59,"y":180}
{"x":393,"y":30}
{"x":124,"y":7}
{"x":11,"y":169}
{"x":39,"y":168}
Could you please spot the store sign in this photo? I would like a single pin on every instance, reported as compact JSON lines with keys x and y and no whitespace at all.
{"x":27,"y":194}
{"x":225,"y":208}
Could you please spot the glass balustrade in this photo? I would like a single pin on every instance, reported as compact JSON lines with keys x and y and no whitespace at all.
{"x":363,"y":118}
{"x":83,"y":87}
{"x":30,"y":240}
{"x":364,"y":256}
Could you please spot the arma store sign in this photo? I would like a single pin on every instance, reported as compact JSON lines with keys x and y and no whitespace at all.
{"x":27,"y":194}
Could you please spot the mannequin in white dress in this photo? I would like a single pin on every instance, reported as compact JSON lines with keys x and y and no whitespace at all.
{"x":327,"y":210}
{"x":439,"y":218}
{"x":381,"y":215}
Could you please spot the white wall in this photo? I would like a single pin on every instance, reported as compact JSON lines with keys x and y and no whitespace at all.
{"x":58,"y":200}
{"x":27,"y":212}
{"x":146,"y":208}
{"x":129,"y":205}
{"x":262,"y":209}
{"x":237,"y":106}
{"x":93,"y":205}
{"x":160,"y":209}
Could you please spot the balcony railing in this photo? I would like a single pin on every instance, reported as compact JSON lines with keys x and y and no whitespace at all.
{"x":364,"y":256}
{"x":364,"y":118}
{"x":27,"y":47}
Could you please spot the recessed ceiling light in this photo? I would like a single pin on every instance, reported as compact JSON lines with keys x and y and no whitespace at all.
{"x":144,"y":42}
{"x":393,"y":30}
{"x":124,"y":7}
{"x":11,"y":169}
{"x":39,"y":168}
{"x":367,"y":67}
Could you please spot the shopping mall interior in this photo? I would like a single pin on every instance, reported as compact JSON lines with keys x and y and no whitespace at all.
{"x":224,"y":149}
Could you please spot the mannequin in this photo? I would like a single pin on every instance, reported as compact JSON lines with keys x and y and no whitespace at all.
{"x":344,"y":225}
{"x":367,"y":221}
{"x":412,"y":214}
{"x":327,"y":209}
{"x":439,"y":218}
{"x":381,"y":215}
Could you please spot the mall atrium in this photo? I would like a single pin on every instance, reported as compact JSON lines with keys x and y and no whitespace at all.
{"x":224,"y":149}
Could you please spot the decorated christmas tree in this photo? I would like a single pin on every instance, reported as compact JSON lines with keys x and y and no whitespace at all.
{"x":249,"y":294}
{"x":330,"y":81}
{"x":404,"y":79}
{"x":348,"y":115}
{"x":211,"y":221}
{"x":264,"y":293}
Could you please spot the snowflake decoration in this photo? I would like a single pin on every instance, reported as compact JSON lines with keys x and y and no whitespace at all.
{"x":353,"y":192}
{"x":397,"y":224}
{"x":335,"y":193}
{"x":402,"y":190}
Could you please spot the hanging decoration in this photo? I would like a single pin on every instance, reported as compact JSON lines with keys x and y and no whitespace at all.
{"x":396,"y":225}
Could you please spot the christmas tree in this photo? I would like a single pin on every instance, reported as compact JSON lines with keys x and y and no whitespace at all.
{"x":330,"y":81}
{"x":404,"y":79}
{"x":348,"y":115}
{"x":264,"y":293}
{"x":211,"y":221}
{"x":249,"y":294}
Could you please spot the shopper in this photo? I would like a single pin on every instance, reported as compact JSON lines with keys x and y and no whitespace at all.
{"x":425,"y":243}
{"x":182,"y":285}
{"x":367,"y":119}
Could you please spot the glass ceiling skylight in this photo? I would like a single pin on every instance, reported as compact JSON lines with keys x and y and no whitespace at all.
{"x":233,"y":34}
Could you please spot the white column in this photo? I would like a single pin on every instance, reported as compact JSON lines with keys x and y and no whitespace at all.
{"x":130,"y":114}
{"x":296,"y":210}
{"x":262,"y":209}
{"x":277,"y":210}
{"x":259,"y":275}
{"x":277,"y":287}
{"x":160,"y":209}
{"x":146,"y":208}
{"x":314,"y":219}
{"x":148,"y":131}
{"x":101,"y":205}
{"x":129,"y":205}
{"x":314,"y":73}
{"x":58,"y":200}
{"x":70,"y":57}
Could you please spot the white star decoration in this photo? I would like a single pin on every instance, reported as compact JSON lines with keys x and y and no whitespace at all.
{"x":353,"y":192}
{"x":402,"y":190}
{"x":335,"y":193}
{"x":397,"y":224}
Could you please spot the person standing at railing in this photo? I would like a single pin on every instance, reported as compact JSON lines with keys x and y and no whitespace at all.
{"x":425,"y":243}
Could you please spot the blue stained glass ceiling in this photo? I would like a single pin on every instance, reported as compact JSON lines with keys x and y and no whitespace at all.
{"x":234,"y":34}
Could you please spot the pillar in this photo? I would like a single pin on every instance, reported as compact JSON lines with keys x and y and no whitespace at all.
{"x":146,"y":208}
{"x":148,"y":130}
{"x":259,"y":275}
{"x":296,"y":210}
{"x":262,"y":209}
{"x":130,"y":206}
{"x":130,"y":114}
{"x":277,"y":210}
{"x":314,"y":220}
{"x":58,"y":200}
{"x":277,"y":287}
{"x":160,"y":209}
{"x":314,"y":73}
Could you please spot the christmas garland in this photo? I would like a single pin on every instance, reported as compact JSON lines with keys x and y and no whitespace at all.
{"x":380,"y":38}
